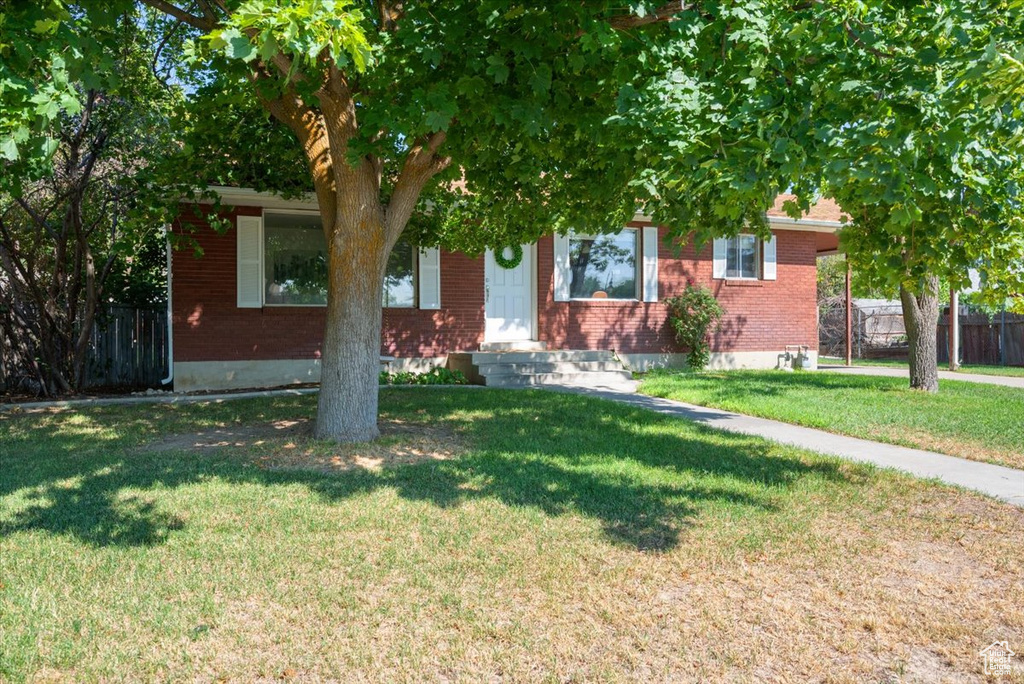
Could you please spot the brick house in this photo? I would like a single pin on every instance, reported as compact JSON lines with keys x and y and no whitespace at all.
{"x":249,"y":312}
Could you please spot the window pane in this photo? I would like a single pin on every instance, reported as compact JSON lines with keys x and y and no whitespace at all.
{"x":603,"y":266}
{"x":748,"y":255}
{"x":400,"y":280}
{"x":732,"y":259}
{"x":295,"y":259}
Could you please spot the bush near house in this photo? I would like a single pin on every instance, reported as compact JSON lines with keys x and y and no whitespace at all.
{"x":691,"y":316}
{"x":435,"y":376}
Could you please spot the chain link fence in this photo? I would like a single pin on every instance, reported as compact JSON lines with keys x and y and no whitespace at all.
{"x":879,"y":333}
{"x":878,"y":330}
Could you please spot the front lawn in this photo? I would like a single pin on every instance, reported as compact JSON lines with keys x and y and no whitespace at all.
{"x":970,"y":420}
{"x":489,"y":535}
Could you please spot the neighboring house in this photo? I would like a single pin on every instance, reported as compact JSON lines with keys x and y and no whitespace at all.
{"x":249,"y":312}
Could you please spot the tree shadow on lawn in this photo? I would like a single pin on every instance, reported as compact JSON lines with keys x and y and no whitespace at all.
{"x":645,"y":477}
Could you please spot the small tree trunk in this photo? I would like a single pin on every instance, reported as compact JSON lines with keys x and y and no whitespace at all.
{"x":81,"y":348}
{"x":921,"y":316}
{"x":350,"y":368}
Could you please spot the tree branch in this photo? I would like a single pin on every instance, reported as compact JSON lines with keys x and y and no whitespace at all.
{"x":310,"y":130}
{"x":209,"y":13}
{"x":389,"y":14}
{"x":857,"y":39}
{"x":421,"y":164}
{"x":666,"y":12}
{"x":192,"y":20}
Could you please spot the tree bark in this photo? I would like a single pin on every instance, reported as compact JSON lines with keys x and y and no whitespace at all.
{"x":921,"y":317}
{"x":358,"y":251}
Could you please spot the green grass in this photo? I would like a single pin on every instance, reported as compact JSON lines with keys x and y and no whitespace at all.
{"x":970,"y":420}
{"x":564,"y":538}
{"x":1008,"y":371}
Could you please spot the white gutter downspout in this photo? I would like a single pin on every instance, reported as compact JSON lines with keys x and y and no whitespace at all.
{"x":170,"y":317}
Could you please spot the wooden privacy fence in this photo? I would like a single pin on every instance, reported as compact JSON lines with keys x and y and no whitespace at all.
{"x":128,"y":348}
{"x":984,"y":340}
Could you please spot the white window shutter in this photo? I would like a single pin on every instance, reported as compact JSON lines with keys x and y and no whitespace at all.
{"x":770,"y":271}
{"x":249,"y":262}
{"x":718,"y":256}
{"x":650,"y":264}
{"x":430,"y":278}
{"x":562,"y":274}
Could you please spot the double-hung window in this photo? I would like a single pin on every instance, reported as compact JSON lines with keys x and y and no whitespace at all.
{"x":745,"y":257}
{"x":742,"y":257}
{"x":294,"y":260}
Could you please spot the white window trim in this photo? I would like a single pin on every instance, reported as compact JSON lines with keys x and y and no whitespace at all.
{"x":428,"y":278}
{"x":649,"y":257}
{"x":637,"y":266}
{"x":242,"y":266}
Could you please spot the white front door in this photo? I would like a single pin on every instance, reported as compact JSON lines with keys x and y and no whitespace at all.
{"x":508,"y":304}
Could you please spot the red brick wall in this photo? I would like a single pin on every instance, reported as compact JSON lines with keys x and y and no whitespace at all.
{"x":763,"y":315}
{"x":760,"y":316}
{"x":208,"y":326}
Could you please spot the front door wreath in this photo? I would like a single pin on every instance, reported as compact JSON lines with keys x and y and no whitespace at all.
{"x":509,"y":262}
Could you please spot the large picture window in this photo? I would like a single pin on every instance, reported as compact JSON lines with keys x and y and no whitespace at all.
{"x":742,"y":257}
{"x":295,"y":264}
{"x":603,"y":266}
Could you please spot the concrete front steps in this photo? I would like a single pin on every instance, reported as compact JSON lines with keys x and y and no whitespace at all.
{"x":530,"y":368}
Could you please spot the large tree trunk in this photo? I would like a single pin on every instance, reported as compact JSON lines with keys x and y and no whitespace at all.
{"x":921,"y":316}
{"x":361,"y":231}
{"x":350,"y":368}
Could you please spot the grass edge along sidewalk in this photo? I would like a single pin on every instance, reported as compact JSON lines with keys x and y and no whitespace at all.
{"x":978,"y":422}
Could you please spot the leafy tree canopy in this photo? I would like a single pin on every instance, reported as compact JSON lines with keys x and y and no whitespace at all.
{"x":922,"y":147}
{"x":556,"y":115}
{"x":570,"y":114}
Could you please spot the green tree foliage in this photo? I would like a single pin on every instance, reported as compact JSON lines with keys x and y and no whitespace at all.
{"x":228,"y":138}
{"x":924,"y":153}
{"x":80,"y":226}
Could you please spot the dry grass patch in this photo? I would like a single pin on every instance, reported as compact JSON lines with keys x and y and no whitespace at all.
{"x":400,"y":443}
{"x":222,"y":435}
{"x":289,"y":445}
{"x":972,"y":450}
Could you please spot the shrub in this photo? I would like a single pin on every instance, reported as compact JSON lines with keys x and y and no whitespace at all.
{"x":435,"y":376}
{"x":691,"y":315}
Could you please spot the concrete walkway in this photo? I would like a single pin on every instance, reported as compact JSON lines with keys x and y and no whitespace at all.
{"x":1004,"y":380}
{"x":996,"y":481}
